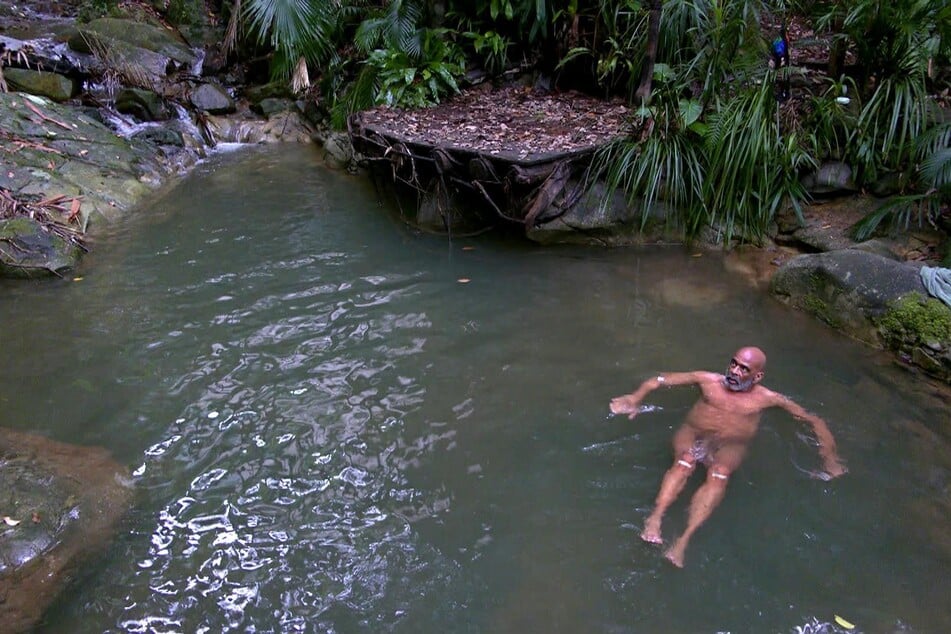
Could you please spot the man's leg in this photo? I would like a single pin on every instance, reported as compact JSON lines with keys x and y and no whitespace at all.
{"x":672,"y":485}
{"x":726,"y":459}
{"x":702,"y":504}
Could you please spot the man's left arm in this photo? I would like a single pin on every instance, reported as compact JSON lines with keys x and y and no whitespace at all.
{"x":827,"y":449}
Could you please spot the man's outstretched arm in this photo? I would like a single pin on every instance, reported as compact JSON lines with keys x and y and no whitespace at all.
{"x":827,"y":448}
{"x":629,"y":403}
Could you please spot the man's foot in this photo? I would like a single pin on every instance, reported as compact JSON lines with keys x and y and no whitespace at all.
{"x":675,"y":554}
{"x":651,"y":532}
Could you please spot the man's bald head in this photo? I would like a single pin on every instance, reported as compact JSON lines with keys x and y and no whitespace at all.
{"x":752,"y":357}
{"x":746,"y":369}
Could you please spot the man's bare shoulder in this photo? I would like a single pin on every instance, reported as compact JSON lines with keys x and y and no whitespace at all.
{"x":708,"y":377}
{"x":768,"y":397}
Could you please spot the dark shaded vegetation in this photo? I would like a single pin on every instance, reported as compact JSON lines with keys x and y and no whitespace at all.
{"x":733,"y":102}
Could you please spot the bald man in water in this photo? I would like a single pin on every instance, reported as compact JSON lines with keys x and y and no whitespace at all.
{"x":717,"y":432}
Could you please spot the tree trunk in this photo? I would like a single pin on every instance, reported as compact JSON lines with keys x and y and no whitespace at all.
{"x":650,"y":57}
{"x":837,"y":51}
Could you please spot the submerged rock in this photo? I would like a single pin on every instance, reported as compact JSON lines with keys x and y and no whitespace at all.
{"x":60,"y":506}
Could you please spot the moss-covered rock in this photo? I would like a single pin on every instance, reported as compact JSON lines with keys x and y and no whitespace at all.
{"x":919,"y":329}
{"x":847,"y":289}
{"x":918,"y":319}
{"x":27,"y":249}
{"x":53,"y":85}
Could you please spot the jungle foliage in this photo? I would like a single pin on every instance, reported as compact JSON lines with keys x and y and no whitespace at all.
{"x":715,"y":137}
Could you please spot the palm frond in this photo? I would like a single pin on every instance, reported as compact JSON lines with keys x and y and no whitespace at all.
{"x":294,"y":28}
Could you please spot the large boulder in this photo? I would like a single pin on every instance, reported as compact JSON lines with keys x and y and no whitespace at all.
{"x":833,"y":177}
{"x":54,"y":150}
{"x":157,"y":49}
{"x":848,"y":289}
{"x":53,"y":85}
{"x":599,"y":218}
{"x":60,"y":506}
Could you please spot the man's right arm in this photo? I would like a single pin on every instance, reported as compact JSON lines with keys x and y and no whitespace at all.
{"x":629,"y":403}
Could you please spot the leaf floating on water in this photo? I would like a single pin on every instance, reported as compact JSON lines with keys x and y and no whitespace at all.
{"x":842,"y":622}
{"x":463,"y":280}
{"x":78,"y":279}
{"x":468,"y":248}
{"x":9,"y":521}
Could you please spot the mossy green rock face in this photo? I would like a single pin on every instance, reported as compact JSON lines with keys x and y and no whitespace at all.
{"x":923,"y":320}
{"x":52,"y":85}
{"x":28,"y":250}
{"x":108,"y":31}
{"x":874,"y":299}
{"x":67,"y":152}
{"x":847,"y":289}
{"x":919,"y":329}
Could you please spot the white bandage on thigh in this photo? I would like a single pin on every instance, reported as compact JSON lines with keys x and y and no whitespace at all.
{"x":685,"y":464}
{"x":719,"y":476}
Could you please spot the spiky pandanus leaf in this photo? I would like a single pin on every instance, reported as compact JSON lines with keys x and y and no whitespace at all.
{"x":661,"y":160}
{"x":933,"y":183}
{"x":752,"y":171}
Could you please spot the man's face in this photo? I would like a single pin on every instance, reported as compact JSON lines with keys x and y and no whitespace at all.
{"x":739,"y":376}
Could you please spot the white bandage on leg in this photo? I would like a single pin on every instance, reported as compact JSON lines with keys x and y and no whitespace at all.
{"x":684,"y":463}
{"x":719,"y":476}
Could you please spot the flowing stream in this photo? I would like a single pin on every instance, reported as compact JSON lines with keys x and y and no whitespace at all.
{"x":338,"y":424}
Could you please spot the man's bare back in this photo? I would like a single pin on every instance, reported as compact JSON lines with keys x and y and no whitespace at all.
{"x":717,"y":432}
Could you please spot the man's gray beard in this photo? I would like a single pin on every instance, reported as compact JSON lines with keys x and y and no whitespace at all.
{"x":739,"y":386}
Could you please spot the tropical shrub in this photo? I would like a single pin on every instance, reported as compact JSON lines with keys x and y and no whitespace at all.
{"x":415,"y":82}
{"x":661,"y":158}
{"x":753,"y":167}
{"x":932,"y":182}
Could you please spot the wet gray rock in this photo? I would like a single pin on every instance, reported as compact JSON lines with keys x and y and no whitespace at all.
{"x":212,"y":98}
{"x":832,"y":177}
{"x":125,"y":44}
{"x":161,"y":136}
{"x":598,"y":219}
{"x":27,"y":249}
{"x":144,"y":105}
{"x":61,"y":504}
{"x":848,"y":289}
{"x":56,"y":87}
{"x":338,"y":151}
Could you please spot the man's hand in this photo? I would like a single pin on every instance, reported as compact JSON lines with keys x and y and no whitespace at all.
{"x":833,"y":469}
{"x":626,"y":404}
